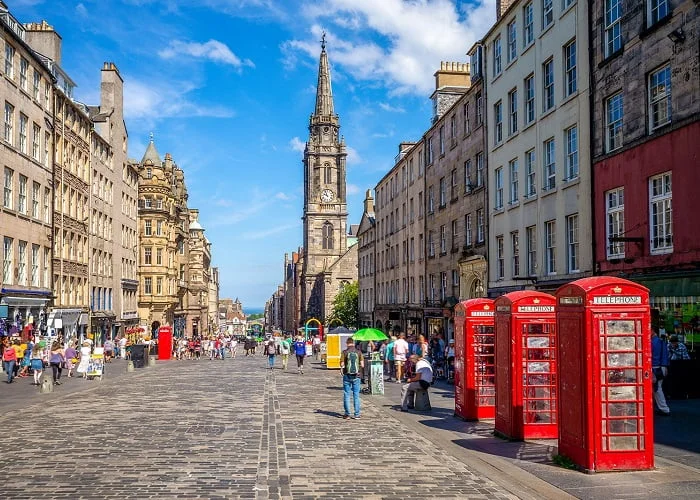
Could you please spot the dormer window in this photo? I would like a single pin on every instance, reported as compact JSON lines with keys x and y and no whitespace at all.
{"x":149,"y":173}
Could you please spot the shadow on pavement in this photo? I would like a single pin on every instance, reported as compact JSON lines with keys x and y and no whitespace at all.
{"x":329,"y":413}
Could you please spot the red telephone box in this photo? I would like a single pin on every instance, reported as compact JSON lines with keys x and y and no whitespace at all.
{"x":526,"y":365}
{"x":475,"y":386}
{"x":165,"y":342}
{"x":605,"y":405}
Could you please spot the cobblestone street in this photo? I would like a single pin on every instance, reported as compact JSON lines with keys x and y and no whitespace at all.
{"x":231,"y":429}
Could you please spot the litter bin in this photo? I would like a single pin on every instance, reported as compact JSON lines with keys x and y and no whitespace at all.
{"x":139,"y":355}
{"x":376,"y":374}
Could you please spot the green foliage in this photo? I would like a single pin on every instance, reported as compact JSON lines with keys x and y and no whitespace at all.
{"x":345,"y":305}
{"x":564,"y":462}
{"x":253,"y":317}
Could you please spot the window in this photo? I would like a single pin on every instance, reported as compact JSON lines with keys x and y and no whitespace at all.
{"x":467,"y":127}
{"x":548,"y":82}
{"x":530,"y":99}
{"x":327,"y":236}
{"x":660,"y":97}
{"x":7,"y":261}
{"x":479,"y":169}
{"x":23,"y":70}
{"x":614,"y":113}
{"x":429,"y":151}
{"x":512,"y":112}
{"x":159,"y":256}
{"x":512,"y":41}
{"x":159,"y":227}
{"x":572,"y":243}
{"x":327,"y":175}
{"x":36,"y":190}
{"x":23,"y":125}
{"x":443,"y":239}
{"x":661,"y":213}
{"x":443,"y":286}
{"x":500,"y":259}
{"x":47,"y":147}
{"x":431,"y":245}
{"x":22,"y":263}
{"x":453,"y":185}
{"x":421,"y":247}
{"x":615,"y":217}
{"x":515,"y":252}
{"x":148,"y":202}
{"x":530,"y":173}
{"x":7,"y":188}
{"x":547,"y":13}
{"x":479,"y":109}
{"x":480,"y":229}
{"x":528,"y":25}
{"x":148,"y":286}
{"x":453,"y":131}
{"x":455,"y":235}
{"x":498,"y":120}
{"x":9,"y":61}
{"x":9,"y":123}
{"x":570,"y":85}
{"x":47,"y":259}
{"x":36,"y":84}
{"x":531,"y":242}
{"x":567,"y":3}
{"x":499,"y":188}
{"x":656,"y":11}
{"x":47,"y":205}
{"x":613,"y":28}
{"x":513,"y":173}
{"x":571,"y":139}
{"x":36,"y":141}
{"x":550,"y":168}
{"x":22,"y":195}
{"x":497,"y":56}
{"x":467,"y":176}
{"x":431,"y":200}
{"x":148,"y":227}
{"x":35,"y":266}
{"x":550,"y":247}
{"x":441,"y":137}
{"x":420,"y":205}
{"x":455,"y":279}
{"x":443,"y":192}
{"x":147,"y":256}
{"x":159,"y":286}
{"x":412,"y":250}
{"x":468,"y":230}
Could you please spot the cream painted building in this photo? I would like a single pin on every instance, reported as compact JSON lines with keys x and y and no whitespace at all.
{"x":535,"y":61}
{"x":26,"y":154}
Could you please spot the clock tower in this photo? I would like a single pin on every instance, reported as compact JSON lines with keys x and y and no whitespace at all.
{"x":325,"y":205}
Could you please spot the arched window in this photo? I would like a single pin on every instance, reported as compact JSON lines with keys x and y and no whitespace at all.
{"x":327,"y":175}
{"x":327,"y":236}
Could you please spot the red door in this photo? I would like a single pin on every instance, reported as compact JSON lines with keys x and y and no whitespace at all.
{"x":539,"y":373}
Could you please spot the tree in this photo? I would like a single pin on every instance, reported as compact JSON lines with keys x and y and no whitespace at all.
{"x":345,"y":305}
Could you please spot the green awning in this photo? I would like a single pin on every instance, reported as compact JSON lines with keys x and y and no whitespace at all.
{"x":681,"y":286}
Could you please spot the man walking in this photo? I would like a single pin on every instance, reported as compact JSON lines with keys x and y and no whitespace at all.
{"x":351,"y":365}
{"x":400,"y":353}
{"x":659,"y":368}
{"x":421,"y":380}
{"x":300,"y":351}
{"x":389,"y":358}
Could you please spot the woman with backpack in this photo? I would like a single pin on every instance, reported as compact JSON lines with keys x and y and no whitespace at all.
{"x":271,"y":350}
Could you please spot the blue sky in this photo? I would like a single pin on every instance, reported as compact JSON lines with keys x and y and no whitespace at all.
{"x":227,"y":87}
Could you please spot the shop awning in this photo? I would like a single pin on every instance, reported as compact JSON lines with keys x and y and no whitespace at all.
{"x":24,"y":301}
{"x":685,"y":286}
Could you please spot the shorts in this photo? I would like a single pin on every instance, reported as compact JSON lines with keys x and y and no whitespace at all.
{"x":399,"y":362}
{"x":37,"y":364}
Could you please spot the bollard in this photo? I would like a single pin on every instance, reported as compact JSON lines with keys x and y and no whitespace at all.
{"x":129,"y":366}
{"x":151,"y":361}
{"x":46,"y":386}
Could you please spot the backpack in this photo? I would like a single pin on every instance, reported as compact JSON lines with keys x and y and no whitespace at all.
{"x":271,"y":348}
{"x":352,"y":363}
{"x":284,"y":347}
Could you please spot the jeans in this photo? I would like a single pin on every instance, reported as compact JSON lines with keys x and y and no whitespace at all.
{"x":9,"y":369}
{"x":222,"y":353}
{"x":408,"y":394}
{"x":351,"y":383}
{"x":271,"y":360}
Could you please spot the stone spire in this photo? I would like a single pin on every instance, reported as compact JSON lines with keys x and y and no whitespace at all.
{"x":324,"y":94}
{"x":151,"y":153}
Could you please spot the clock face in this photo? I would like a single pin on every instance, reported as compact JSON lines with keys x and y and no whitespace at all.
{"x":327,"y":195}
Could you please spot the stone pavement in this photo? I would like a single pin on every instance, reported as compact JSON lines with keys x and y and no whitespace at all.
{"x":231,"y":429}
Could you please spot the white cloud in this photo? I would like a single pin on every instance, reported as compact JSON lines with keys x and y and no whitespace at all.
{"x":164,"y":98}
{"x":353,"y":156}
{"x":392,"y":109}
{"x":352,"y":189}
{"x":264,"y":233}
{"x":81,"y":10}
{"x":283,"y":196}
{"x":297,"y":144}
{"x":213,"y":50}
{"x":395,"y":42}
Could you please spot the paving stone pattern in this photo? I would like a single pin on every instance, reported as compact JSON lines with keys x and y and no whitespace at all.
{"x":222,"y":429}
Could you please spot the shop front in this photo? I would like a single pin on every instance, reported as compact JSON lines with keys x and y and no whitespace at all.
{"x":23,"y":311}
{"x":101,"y":326}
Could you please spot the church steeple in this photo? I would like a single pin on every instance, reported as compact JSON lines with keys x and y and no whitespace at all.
{"x":324,"y":112}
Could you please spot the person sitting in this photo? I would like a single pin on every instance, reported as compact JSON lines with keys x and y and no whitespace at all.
{"x":420,"y":381}
{"x":677,"y":350}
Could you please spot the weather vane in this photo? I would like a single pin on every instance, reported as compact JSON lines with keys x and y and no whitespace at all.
{"x":151,"y":136}
{"x":323,"y":40}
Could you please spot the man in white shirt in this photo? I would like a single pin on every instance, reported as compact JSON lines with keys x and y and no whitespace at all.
{"x":421,"y":380}
{"x":400,"y":353}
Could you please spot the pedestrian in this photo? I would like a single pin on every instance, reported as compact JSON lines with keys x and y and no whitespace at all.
{"x":400,"y":352}
{"x":9,"y":359}
{"x":389,"y":360}
{"x":316,"y":346}
{"x":659,"y":367}
{"x":271,"y":351}
{"x":300,"y":351}
{"x":37,"y":363}
{"x":122,"y":347}
{"x":109,"y":350}
{"x":84,"y":361}
{"x":56,"y":359}
{"x":70,"y":354}
{"x":284,"y":350}
{"x":677,"y":350}
{"x":351,"y":364}
{"x":421,"y":380}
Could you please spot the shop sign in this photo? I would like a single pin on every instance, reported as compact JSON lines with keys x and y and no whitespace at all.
{"x":536,"y":309}
{"x":483,"y":313}
{"x":618,"y":299}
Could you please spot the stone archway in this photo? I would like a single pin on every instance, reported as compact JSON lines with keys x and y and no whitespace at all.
{"x":472,"y":277}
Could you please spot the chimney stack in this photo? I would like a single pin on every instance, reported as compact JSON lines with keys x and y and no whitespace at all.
{"x":369,"y":203}
{"x":502,"y":6}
